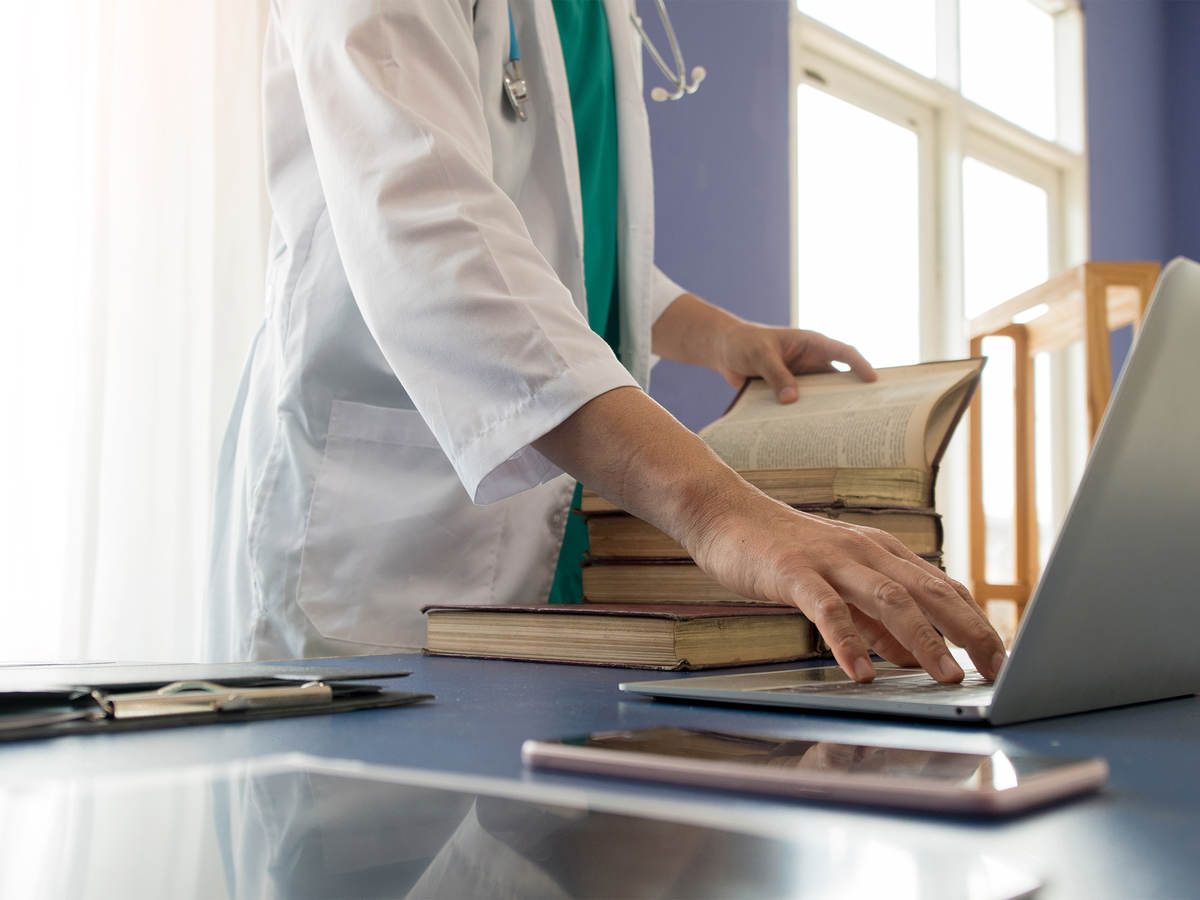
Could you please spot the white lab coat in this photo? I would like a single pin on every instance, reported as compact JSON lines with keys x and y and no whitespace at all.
{"x":425,"y":322}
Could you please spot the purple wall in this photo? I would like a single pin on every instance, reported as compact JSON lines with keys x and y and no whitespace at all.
{"x":1126,"y":113}
{"x":1143,"y":75}
{"x":721,"y":177}
{"x":1183,"y":128}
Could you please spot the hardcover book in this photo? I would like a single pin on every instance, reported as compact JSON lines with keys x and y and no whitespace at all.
{"x":618,"y":535}
{"x":636,"y":636}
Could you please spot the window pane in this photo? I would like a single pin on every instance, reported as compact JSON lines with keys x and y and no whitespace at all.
{"x":904,"y":30}
{"x":1007,"y":49}
{"x":1061,"y":436}
{"x":856,"y":182}
{"x":999,"y":483}
{"x":1006,"y":236}
{"x":1043,"y":454}
{"x":1005,"y":250}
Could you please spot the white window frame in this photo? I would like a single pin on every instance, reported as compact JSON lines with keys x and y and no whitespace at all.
{"x":949,"y":127}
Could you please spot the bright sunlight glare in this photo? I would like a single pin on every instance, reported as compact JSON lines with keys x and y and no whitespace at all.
{"x":904,"y":30}
{"x":856,"y":230}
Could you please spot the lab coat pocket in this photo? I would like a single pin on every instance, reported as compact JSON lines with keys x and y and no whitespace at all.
{"x":390,"y":529}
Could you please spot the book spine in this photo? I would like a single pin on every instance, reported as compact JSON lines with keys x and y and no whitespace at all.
{"x":655,"y":582}
{"x":619,"y":536}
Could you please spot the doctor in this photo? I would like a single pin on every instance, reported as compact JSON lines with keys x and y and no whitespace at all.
{"x":426,"y":372}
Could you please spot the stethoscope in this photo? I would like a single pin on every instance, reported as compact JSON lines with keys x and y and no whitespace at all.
{"x":517,"y":91}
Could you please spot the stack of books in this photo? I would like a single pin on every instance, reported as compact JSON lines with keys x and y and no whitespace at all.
{"x":632,"y":561}
{"x":860,"y":453}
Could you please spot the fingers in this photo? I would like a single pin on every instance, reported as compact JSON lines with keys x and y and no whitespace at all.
{"x":888,"y":601}
{"x":780,"y":378}
{"x":821,"y":603}
{"x":865,"y":593}
{"x":779,"y":354}
{"x":987,"y":648}
{"x":862,"y":630}
{"x":960,"y":621}
{"x":880,"y":640}
{"x":856,"y":361}
{"x":897,"y":548}
{"x":948,"y":606}
{"x":819,"y":354}
{"x":924,"y":564}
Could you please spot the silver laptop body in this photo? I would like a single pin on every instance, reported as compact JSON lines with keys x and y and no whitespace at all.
{"x":1115,"y":616}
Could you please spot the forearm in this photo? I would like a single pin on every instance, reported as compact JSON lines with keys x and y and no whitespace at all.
{"x":630,"y":450}
{"x":690,"y":331}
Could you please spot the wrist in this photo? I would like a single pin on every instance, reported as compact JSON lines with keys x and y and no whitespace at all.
{"x":728,"y":333}
{"x":709,"y":505}
{"x":731,"y":340}
{"x":691,"y":330}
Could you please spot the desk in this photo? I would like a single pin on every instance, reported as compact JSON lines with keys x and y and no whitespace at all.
{"x":1137,"y":839}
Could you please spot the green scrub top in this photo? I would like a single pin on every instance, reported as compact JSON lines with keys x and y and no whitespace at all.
{"x":583,"y":31}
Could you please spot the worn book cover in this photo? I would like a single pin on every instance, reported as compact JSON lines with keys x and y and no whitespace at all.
{"x":672,"y":637}
{"x":619,"y":535}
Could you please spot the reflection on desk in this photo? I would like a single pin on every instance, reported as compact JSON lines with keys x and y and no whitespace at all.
{"x":303,"y":827}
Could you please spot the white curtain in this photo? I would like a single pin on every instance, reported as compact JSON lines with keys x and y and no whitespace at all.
{"x":132,"y":245}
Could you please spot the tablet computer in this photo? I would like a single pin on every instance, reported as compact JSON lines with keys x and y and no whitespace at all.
{"x":983,"y":784}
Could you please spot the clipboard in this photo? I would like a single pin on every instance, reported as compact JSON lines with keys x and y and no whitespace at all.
{"x":131,"y":704}
{"x":151,"y":676}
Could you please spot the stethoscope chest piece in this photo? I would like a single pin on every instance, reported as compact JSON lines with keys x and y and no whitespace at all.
{"x":515,"y":88}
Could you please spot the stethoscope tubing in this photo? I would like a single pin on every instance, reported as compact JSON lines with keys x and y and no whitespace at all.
{"x":678,"y":78}
{"x":514,"y":49}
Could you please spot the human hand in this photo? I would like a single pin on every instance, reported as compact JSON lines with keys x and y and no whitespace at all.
{"x":861,"y":587}
{"x":777,"y":355}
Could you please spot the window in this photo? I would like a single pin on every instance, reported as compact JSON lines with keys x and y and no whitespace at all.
{"x":868,"y":197}
{"x":903,"y":30}
{"x":934,"y":179}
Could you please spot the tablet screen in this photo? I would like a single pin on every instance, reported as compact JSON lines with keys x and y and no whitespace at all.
{"x":996,"y":771}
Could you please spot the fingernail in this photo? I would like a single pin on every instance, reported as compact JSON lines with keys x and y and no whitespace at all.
{"x":863,"y":670}
{"x":950,"y":669}
{"x":787,"y":395}
{"x":997,"y":663}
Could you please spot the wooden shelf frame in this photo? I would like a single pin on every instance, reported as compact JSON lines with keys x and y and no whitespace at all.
{"x":1084,"y":303}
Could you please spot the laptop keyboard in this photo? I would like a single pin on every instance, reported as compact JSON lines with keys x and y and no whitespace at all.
{"x":973,"y":690}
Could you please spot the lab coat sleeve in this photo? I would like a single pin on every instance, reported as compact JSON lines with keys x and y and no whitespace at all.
{"x":664,"y":292}
{"x":474,"y":321}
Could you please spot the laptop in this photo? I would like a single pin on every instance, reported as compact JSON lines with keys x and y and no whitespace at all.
{"x":1115,"y":616}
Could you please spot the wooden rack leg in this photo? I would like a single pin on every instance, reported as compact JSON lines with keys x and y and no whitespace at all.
{"x":1095,"y":344}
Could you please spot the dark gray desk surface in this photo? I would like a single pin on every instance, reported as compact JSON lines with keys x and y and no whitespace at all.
{"x":1140,"y":837}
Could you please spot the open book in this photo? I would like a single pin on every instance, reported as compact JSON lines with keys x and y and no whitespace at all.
{"x":844,"y":442}
{"x":903,"y":420}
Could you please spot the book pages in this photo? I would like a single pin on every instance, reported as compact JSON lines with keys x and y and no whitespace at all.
{"x":843,"y":422}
